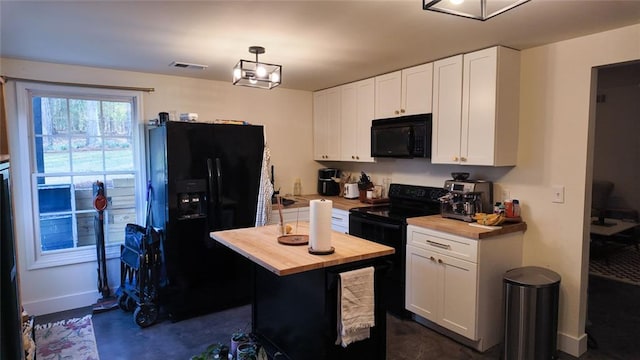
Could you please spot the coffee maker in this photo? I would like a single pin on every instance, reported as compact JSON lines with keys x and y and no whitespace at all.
{"x":327,"y":186}
{"x":465,"y":198}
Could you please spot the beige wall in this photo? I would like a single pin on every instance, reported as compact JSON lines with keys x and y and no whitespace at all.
{"x":286,"y":115}
{"x":556,"y":146}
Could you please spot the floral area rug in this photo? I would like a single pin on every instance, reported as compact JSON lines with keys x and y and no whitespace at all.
{"x":66,"y":340}
{"x":620,"y":264}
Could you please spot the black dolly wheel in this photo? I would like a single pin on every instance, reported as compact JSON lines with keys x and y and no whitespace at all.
{"x":145,"y":315}
{"x":126,"y":303}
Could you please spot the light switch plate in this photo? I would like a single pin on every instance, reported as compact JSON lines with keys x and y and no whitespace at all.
{"x":557,"y":195}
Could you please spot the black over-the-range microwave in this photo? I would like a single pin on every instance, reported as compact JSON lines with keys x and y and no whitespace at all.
{"x":402,"y":137}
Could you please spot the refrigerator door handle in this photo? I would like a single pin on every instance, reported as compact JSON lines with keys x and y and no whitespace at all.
{"x":219,"y":178}
{"x":210,"y":181}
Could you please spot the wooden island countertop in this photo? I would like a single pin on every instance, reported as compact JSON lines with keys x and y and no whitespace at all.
{"x":260,"y":245}
{"x":461,"y":228}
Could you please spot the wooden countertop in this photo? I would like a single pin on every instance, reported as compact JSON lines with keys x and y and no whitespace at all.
{"x":4,"y":158}
{"x":461,"y":228}
{"x":339,"y":202}
{"x":260,"y":245}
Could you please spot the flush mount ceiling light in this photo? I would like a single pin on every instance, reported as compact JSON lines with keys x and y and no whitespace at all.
{"x":257,"y":74}
{"x":475,"y":9}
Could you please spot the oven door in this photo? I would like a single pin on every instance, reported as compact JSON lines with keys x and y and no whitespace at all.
{"x":391,"y":233}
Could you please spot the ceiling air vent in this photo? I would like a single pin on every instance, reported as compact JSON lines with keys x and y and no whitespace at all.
{"x":186,"y":65}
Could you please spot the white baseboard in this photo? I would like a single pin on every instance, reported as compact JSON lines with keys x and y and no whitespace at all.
{"x":62,"y":303}
{"x":574,"y":346}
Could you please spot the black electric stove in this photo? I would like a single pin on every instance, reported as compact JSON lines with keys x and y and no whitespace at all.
{"x":387,"y":224}
{"x":405,"y":201}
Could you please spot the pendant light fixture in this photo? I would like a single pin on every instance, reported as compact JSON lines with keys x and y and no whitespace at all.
{"x":475,"y":9}
{"x":257,"y":74}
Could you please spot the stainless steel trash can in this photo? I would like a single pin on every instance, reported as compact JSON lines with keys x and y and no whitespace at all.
{"x":531,"y":313}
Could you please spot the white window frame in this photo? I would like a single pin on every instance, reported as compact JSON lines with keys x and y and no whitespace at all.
{"x":26,"y":205}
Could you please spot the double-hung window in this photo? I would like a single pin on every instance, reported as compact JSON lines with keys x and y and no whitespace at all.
{"x":79,"y":138}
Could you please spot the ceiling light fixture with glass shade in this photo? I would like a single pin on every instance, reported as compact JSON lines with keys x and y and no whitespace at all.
{"x":257,"y":74}
{"x":475,"y":9}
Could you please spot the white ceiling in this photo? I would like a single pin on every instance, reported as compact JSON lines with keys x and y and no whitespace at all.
{"x":319,"y":43}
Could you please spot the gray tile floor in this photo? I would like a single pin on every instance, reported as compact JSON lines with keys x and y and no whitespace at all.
{"x":614,"y":316}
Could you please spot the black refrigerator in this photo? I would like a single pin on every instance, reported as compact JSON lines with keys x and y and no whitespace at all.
{"x":205,"y":177}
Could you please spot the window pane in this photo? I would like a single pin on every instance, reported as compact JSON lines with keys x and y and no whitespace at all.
{"x":121,"y":191}
{"x":56,"y":232}
{"x":84,"y":191}
{"x":50,"y":116}
{"x":87,"y":160}
{"x":86,"y":143}
{"x":84,"y":116}
{"x":52,"y":154}
{"x":118,"y":154}
{"x":117,"y":118}
{"x":54,"y":194}
{"x":86,"y":229}
{"x":117,"y":221}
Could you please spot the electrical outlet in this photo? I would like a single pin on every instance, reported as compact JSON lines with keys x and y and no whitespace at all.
{"x":557,"y":195}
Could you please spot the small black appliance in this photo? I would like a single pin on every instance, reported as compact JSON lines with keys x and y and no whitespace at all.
{"x":402,"y":137}
{"x":327,"y":186}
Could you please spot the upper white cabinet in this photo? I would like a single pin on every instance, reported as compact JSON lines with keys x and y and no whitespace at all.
{"x":404,"y":92}
{"x":357,"y":112}
{"x":326,"y":124}
{"x":475,"y":108}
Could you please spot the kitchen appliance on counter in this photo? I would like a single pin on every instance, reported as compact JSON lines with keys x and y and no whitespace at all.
{"x":465,"y":198}
{"x":387,"y":224}
{"x":327,"y":186}
{"x":351,"y":191}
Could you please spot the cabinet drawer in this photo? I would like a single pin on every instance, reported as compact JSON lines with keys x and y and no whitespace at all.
{"x":339,"y":219}
{"x":290,"y":215}
{"x":443,"y":243}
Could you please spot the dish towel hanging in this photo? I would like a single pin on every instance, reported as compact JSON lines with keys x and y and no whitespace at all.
{"x":355,"y":306}
{"x":263,"y":210}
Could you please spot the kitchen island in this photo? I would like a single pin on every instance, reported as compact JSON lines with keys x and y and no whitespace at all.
{"x":294,"y":309}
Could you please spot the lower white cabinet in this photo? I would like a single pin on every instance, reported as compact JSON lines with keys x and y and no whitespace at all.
{"x":442,"y":289}
{"x":340,"y":220}
{"x":456,"y":282}
{"x":290,"y":216}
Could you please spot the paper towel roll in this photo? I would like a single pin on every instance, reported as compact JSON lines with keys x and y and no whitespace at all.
{"x":320,"y":224}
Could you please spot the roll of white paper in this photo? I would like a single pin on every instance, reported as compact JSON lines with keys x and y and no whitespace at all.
{"x":320,"y":224}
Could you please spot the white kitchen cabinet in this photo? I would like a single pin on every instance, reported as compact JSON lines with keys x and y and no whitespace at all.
{"x":289,"y":215}
{"x":357,"y":112}
{"x":340,"y":220}
{"x":455,"y":283}
{"x":476,"y":108}
{"x":326,"y":124}
{"x":404,"y":92}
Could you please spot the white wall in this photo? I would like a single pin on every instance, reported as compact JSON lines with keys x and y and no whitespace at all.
{"x":557,"y":117}
{"x":286,"y":115}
